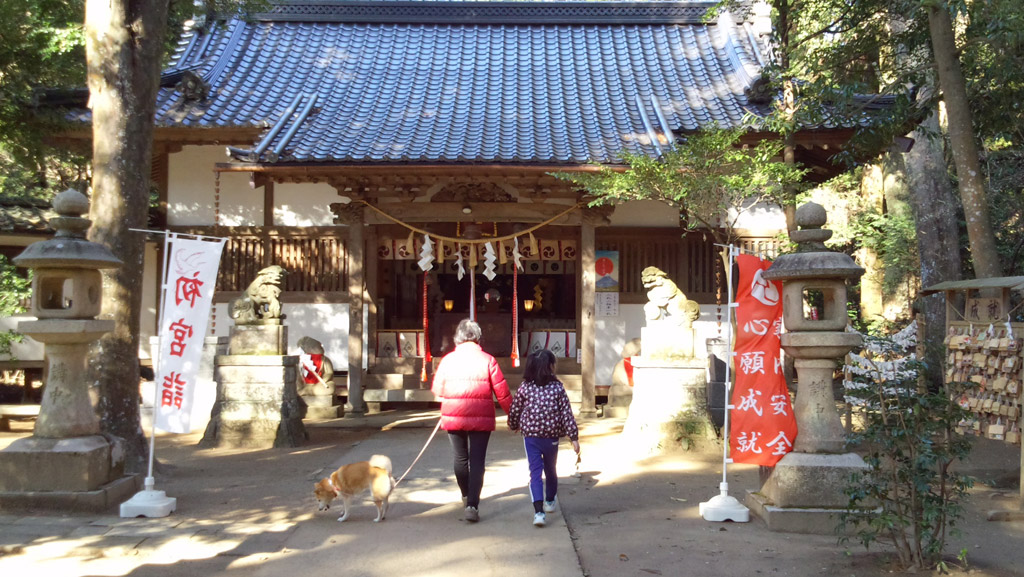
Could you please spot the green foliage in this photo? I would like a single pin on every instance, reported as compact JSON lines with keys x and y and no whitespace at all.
{"x":909,"y":496}
{"x":707,"y":175}
{"x":839,"y":58}
{"x":893,"y":238}
{"x":992,"y":57}
{"x":41,"y":45}
{"x":14,"y":290}
{"x":1005,"y":171}
{"x":690,"y":428}
{"x":57,"y":171}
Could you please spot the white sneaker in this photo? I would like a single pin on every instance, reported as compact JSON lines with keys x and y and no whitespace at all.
{"x":540,"y":519}
{"x":550,"y":506}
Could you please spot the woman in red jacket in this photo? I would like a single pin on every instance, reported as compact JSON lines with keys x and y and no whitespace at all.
{"x":465,"y":381}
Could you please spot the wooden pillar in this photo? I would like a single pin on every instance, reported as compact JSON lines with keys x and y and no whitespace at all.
{"x":370,"y":275}
{"x":352,"y":215}
{"x":268,"y":203}
{"x":588,"y":286}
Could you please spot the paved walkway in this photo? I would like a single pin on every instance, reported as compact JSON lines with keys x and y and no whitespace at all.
{"x":251,"y":512}
{"x":274,"y":529}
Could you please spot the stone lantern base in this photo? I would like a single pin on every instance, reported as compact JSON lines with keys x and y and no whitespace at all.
{"x":804,"y":493}
{"x":70,"y":474}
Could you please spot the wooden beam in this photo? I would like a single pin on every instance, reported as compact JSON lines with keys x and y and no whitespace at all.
{"x":188,"y":135}
{"x":403,"y":169}
{"x":424,"y":212}
{"x":258,"y":180}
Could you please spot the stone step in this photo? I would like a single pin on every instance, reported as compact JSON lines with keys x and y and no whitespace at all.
{"x":319,"y":400}
{"x":323,"y":412}
{"x":398,"y":388}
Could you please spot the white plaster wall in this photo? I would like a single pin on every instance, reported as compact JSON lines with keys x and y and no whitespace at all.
{"x":649,"y":213}
{"x":614,"y":332}
{"x":762,"y":217}
{"x":191,"y":186}
{"x":28,"y":349}
{"x":327,"y":323}
{"x":304,"y":204}
{"x":149,"y":315}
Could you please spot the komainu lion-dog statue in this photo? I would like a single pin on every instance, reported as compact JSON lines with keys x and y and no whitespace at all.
{"x":665,"y":301}
{"x":261,"y":300}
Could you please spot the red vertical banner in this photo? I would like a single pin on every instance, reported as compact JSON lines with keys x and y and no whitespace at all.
{"x":762,"y":425}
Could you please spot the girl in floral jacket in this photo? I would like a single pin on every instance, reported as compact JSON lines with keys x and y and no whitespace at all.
{"x":541,"y":412}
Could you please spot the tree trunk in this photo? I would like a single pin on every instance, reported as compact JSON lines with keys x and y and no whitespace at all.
{"x":788,"y":111}
{"x":938,"y":237}
{"x":962,"y":143}
{"x":124,"y":41}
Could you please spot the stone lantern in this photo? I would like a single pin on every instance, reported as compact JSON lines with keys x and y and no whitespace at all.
{"x":816,"y":339}
{"x":66,"y":461}
{"x":805,"y":488}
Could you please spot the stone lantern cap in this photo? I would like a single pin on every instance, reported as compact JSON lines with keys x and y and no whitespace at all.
{"x":69,"y":247}
{"x":812,"y":259}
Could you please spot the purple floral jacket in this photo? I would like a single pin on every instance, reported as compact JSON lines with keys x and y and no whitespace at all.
{"x":542,"y":411}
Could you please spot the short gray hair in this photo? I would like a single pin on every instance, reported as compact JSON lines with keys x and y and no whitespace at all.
{"x":468,"y":330}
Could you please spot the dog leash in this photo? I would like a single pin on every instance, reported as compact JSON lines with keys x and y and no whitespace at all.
{"x":436,"y":427}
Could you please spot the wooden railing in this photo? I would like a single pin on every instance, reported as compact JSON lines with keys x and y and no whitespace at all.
{"x":314,"y":257}
{"x":691,"y":259}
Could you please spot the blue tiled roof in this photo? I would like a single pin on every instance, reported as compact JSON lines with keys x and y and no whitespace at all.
{"x":466,"y":82}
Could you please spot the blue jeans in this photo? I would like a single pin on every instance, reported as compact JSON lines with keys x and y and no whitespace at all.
{"x":542,"y":456}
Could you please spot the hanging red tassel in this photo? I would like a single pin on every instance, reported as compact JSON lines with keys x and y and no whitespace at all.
{"x":515,"y":316}
{"x":426,"y":330}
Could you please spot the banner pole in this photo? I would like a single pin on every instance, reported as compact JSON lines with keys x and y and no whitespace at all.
{"x":150,"y":482}
{"x":723,"y":507}
{"x":149,"y":502}
{"x":728,"y":371}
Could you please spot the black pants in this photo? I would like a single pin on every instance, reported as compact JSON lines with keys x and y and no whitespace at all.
{"x":470,"y":448}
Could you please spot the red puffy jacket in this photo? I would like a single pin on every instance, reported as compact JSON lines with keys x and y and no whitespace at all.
{"x":465,"y":380}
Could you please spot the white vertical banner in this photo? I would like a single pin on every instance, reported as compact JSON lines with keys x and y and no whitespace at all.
{"x":190,"y":275}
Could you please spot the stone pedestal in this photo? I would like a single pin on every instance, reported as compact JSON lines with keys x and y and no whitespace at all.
{"x":66,"y":464}
{"x":66,"y":409}
{"x":668,"y":405}
{"x":268,"y":338}
{"x":804,"y":493}
{"x":663,"y":341}
{"x":319,"y":399}
{"x":257,"y":403}
{"x":620,"y":397}
{"x":70,"y":464}
{"x":72,"y":474}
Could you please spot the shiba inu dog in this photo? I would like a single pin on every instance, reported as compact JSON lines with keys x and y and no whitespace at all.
{"x":351,"y":480}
